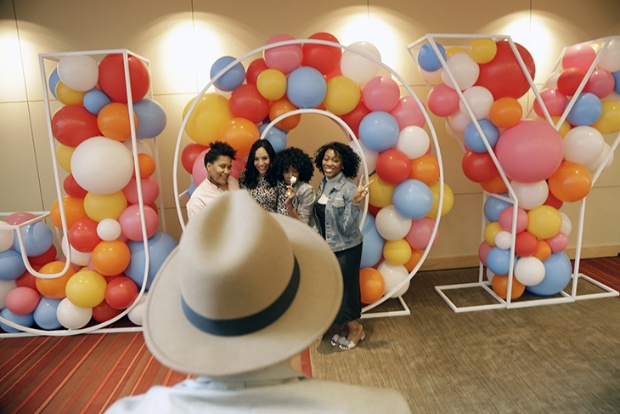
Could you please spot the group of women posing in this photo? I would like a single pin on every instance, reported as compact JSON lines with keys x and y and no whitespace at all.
{"x":280,"y":184}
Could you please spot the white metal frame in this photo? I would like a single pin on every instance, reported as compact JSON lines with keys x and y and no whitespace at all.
{"x":482,"y":283}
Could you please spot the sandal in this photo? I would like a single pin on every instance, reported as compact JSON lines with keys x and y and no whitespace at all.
{"x":346,"y":344}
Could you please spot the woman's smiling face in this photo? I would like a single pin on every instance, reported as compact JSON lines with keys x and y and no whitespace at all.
{"x":261,"y":161}
{"x":332,"y":163}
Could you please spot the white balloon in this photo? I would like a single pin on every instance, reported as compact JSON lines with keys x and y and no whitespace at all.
{"x":464,"y":69}
{"x":413,"y":141}
{"x":79,"y":73}
{"x":479,"y":99}
{"x":71,"y":316}
{"x":529,"y":270}
{"x":433,"y":78}
{"x":369,"y":155}
{"x":606,"y":156}
{"x":141,"y":146}
{"x":583,"y":145}
{"x":357,"y":67}
{"x":392,"y":276}
{"x":530,"y":195}
{"x":109,"y":229}
{"x":610,"y":60}
{"x":503,"y":240}
{"x":489,"y":275}
{"x":5,"y":287}
{"x":77,"y":257}
{"x":567,"y":225}
{"x":459,"y":121}
{"x":390,"y":224}
{"x":136,"y":314}
{"x":6,"y":236}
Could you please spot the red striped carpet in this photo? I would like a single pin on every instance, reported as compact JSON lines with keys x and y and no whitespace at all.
{"x":86,"y":373}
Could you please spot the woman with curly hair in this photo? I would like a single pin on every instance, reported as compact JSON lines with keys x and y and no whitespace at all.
{"x":294,"y":167}
{"x":218,"y":162}
{"x":337,"y":211}
{"x":260,"y":180}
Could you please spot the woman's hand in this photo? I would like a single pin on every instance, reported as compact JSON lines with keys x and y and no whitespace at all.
{"x":361,"y":191}
{"x":290,"y":195}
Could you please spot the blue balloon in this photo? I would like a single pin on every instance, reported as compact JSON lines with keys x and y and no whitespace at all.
{"x":23,"y":320}
{"x":493,"y":206}
{"x":191,"y":188}
{"x":232,"y":78}
{"x":558,"y":272}
{"x":95,"y":100}
{"x":277,"y":139}
{"x":498,"y":261}
{"x":11,"y":265}
{"x":372,"y":246}
{"x":53,"y":82}
{"x":379,"y":131}
{"x":616,"y":76}
{"x":45,"y":314}
{"x":37,"y":237}
{"x":427,"y":58}
{"x":473,"y":139}
{"x":306,"y":87}
{"x":151,"y":118}
{"x":160,"y":246}
{"x":587,"y":109}
{"x":412,"y":199}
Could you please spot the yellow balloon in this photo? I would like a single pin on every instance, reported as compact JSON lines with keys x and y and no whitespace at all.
{"x":86,"y":288}
{"x":609,"y":122}
{"x":448,"y":200}
{"x":380,"y":192}
{"x":103,"y":206}
{"x":544,"y":222}
{"x":63,"y":156}
{"x":68,"y":96}
{"x":206,"y":120}
{"x":342,"y":95}
{"x":564,"y":127}
{"x":490,"y":231}
{"x":271,"y":84}
{"x":397,"y":252}
{"x":483,"y":50}
{"x":452,"y":50}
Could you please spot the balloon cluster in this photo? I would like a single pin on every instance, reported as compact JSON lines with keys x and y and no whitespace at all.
{"x":544,"y":164}
{"x":103,"y":233}
{"x":349,"y":83}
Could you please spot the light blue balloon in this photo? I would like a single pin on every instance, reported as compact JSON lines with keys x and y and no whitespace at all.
{"x":558,"y":271}
{"x":473,"y":139}
{"x":277,"y":139}
{"x":160,"y":246}
{"x":23,"y":320}
{"x":427,"y":58}
{"x":233,"y":77}
{"x":412,"y":199}
{"x":493,"y":207}
{"x":379,"y":131}
{"x":11,"y":265}
{"x":306,"y":87}
{"x":38,"y":239}
{"x":52,"y":82}
{"x":151,"y":118}
{"x":372,"y":247}
{"x":587,"y":109}
{"x":498,"y":261}
{"x":45,"y":314}
{"x":191,"y":188}
{"x":95,"y":100}
{"x":616,"y":76}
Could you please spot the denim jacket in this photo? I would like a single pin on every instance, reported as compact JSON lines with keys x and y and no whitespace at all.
{"x":341,"y":215}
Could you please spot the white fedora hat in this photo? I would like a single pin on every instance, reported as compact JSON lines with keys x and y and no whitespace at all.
{"x":244,"y":290}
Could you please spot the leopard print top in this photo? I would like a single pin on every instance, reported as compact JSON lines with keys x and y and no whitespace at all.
{"x":272,"y":199}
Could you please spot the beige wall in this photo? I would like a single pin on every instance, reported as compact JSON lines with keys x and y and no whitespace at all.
{"x":183,"y":38}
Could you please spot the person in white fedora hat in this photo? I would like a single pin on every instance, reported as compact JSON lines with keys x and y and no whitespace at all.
{"x":244,"y":291}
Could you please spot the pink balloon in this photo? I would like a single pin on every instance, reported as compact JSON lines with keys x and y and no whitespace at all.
{"x":407,"y":112}
{"x":19,"y":217}
{"x":22,"y":300}
{"x":150,"y":191}
{"x":578,"y":56}
{"x":199,"y":171}
{"x":442,"y":100}
{"x":554,"y":100}
{"x":558,"y":243}
{"x":505,"y":219}
{"x":419,"y":235}
{"x":483,"y":251}
{"x":381,"y":94}
{"x":131,"y":225}
{"x":283,"y":58}
{"x":601,"y":83}
{"x":237,"y":167}
{"x":530,"y":151}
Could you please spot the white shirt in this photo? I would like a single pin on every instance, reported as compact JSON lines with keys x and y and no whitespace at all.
{"x":278,"y":389}
{"x":205,"y":193}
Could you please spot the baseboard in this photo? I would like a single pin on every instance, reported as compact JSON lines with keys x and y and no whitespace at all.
{"x":456,"y":262}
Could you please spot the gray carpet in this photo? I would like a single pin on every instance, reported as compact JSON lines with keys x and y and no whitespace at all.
{"x":562,"y":358}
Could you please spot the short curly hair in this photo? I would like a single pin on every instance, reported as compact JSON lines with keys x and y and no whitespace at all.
{"x":297,"y":159}
{"x":218,"y":149}
{"x":350,"y":160}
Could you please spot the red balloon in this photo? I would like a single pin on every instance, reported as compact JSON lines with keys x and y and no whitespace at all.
{"x":553,"y":201}
{"x":479,"y":166}
{"x":27,"y":279}
{"x":393,"y":166}
{"x":83,"y":235}
{"x":73,"y":124}
{"x":354,"y":118}
{"x":569,"y":80}
{"x":121,"y":292}
{"x":72,"y":188}
{"x":254,"y":69}
{"x":247,"y":102}
{"x":104,"y":312}
{"x":112,"y":77}
{"x":502,"y":76}
{"x":525,"y":244}
{"x":45,"y":258}
{"x":323,"y":58}
{"x":189,"y":154}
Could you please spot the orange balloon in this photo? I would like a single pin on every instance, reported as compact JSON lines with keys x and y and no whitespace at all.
{"x":425,"y":169}
{"x":281,"y":107}
{"x":113,"y":121}
{"x":500,"y":287}
{"x":54,"y":288}
{"x":74,"y":211}
{"x":371,"y":285}
{"x":146,"y":165}
{"x":111,"y":258}
{"x":240,"y":133}
{"x":494,"y":186}
{"x":505,"y":112}
{"x":543,"y":250}
{"x":416,"y":256}
{"x":570,"y":182}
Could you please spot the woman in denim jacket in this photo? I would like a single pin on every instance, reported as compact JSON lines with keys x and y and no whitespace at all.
{"x":337,"y":212}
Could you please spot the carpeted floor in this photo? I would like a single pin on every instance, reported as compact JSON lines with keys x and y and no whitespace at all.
{"x":562,"y":358}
